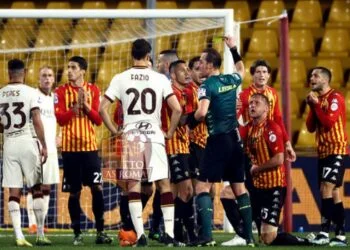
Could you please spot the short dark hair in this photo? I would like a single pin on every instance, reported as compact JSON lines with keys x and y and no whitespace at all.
{"x":173,"y":65}
{"x":193,"y":61}
{"x":79,"y":60}
{"x":325,"y":72}
{"x":258,"y":63}
{"x":262,"y":96}
{"x":140,"y":49}
{"x":15,"y":64}
{"x":213,"y":56}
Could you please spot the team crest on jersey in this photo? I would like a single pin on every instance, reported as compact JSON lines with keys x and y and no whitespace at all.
{"x":55,"y":98}
{"x":272,"y":137}
{"x":40,"y":100}
{"x":334,"y":106}
{"x":202,"y":92}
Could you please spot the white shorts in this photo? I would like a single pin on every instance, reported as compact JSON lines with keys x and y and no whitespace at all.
{"x":150,"y":163}
{"x":158,"y":167}
{"x":21,"y":160}
{"x":51,"y":173}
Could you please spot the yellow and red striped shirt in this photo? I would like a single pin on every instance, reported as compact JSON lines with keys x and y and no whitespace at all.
{"x":179,"y":143}
{"x":78,"y":132}
{"x":274,"y":112}
{"x":328,"y":119}
{"x":263,"y":141}
{"x":199,"y":134}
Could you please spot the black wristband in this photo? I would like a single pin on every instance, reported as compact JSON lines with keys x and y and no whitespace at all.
{"x":191,"y":121}
{"x":236,"y":57}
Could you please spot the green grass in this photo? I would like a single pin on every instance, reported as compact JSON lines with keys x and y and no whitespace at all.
{"x":63,"y":240}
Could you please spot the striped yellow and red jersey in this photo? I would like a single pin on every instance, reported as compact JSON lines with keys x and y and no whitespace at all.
{"x":263,"y":141}
{"x":328,"y":119}
{"x":200,"y":133}
{"x":274,"y":112}
{"x":78,"y":132}
{"x":179,"y":143}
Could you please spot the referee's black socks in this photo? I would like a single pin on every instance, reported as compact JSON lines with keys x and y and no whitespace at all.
{"x":232,"y":214}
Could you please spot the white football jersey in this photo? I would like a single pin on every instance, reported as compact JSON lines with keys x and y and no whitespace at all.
{"x":47,"y":111}
{"x":141,"y":92}
{"x":16,"y":103}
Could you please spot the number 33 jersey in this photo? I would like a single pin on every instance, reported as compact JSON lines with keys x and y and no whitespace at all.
{"x":141,"y":92}
{"x":16,"y":103}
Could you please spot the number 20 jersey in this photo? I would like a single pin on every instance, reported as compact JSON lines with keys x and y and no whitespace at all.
{"x":16,"y":102}
{"x":141,"y":92}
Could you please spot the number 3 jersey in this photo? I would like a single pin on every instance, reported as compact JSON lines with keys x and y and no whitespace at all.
{"x":141,"y":92}
{"x":16,"y":102}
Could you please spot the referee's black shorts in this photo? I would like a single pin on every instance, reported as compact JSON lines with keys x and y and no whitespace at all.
{"x":223,"y":159}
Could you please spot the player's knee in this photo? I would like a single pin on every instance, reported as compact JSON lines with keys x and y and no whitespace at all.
{"x":268,"y":238}
{"x":36,"y":188}
{"x":239,"y":189}
{"x":185,"y":190}
{"x":163,"y":185}
{"x":147,"y":189}
{"x":74,"y":195}
{"x":202,"y":187}
{"x":226,"y":193}
{"x":326,"y":189}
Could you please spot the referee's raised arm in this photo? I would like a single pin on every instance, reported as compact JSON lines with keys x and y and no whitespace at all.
{"x":237,"y":59}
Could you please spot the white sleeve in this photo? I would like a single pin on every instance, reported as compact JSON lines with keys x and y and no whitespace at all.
{"x":112,"y":92}
{"x":167,"y":90}
{"x":34,"y":100}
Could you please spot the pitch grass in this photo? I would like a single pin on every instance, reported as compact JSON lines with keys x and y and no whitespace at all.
{"x":63,"y":240}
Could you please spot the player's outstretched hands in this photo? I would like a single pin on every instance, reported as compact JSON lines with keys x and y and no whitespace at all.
{"x":230,"y":41}
{"x":43,"y":154}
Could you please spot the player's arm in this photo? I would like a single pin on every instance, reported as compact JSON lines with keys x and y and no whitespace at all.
{"x":63,"y":115}
{"x":311,"y":121}
{"x":329,"y":118}
{"x":202,"y":110}
{"x":103,"y":111}
{"x":176,"y":109}
{"x":39,"y":130}
{"x":277,"y":117}
{"x":274,"y":138}
{"x":237,"y":59}
{"x":92,"y":111}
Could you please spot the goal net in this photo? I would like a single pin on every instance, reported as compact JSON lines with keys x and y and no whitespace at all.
{"x":104,"y":38}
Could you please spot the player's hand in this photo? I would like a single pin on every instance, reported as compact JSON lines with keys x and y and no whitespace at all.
{"x":230,"y":41}
{"x":86,"y":103}
{"x":75,"y":108}
{"x":254,"y":170}
{"x":312,"y":98}
{"x":43,"y":154}
{"x":290,"y":154}
{"x":58,"y":141}
{"x":168,"y":135}
{"x":81,"y":97}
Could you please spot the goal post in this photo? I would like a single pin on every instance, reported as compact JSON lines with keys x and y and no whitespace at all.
{"x":106,"y":46}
